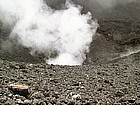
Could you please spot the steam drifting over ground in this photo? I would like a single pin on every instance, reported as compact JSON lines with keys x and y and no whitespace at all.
{"x":66,"y":33}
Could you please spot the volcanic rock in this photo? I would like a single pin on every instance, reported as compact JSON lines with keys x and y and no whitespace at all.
{"x":109,"y":75}
{"x":19,"y":89}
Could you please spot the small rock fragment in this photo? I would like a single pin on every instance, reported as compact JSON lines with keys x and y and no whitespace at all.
{"x":138,"y":95}
{"x":19,"y":89}
{"x":27,"y":102}
{"x":77,"y":96}
{"x":131,"y":100}
{"x":137,"y":102}
{"x":19,"y":101}
{"x":37,"y":95}
{"x":119,"y":93}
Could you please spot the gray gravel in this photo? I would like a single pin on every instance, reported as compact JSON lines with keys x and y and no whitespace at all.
{"x":112,"y":83}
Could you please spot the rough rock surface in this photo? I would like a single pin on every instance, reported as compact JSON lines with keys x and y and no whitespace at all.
{"x":113,"y":83}
{"x":110,"y":75}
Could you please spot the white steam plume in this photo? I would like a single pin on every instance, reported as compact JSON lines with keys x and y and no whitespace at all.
{"x":37,"y":26}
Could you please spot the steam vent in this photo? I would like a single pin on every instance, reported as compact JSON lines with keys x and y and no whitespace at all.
{"x":80,"y":52}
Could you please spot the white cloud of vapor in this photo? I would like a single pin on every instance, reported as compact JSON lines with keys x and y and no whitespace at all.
{"x":36,"y":26}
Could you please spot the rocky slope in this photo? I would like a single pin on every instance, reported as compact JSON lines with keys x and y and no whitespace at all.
{"x":113,"y":83}
{"x":110,"y":75}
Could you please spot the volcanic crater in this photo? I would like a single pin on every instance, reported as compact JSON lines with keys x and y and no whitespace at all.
{"x":110,"y":75}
